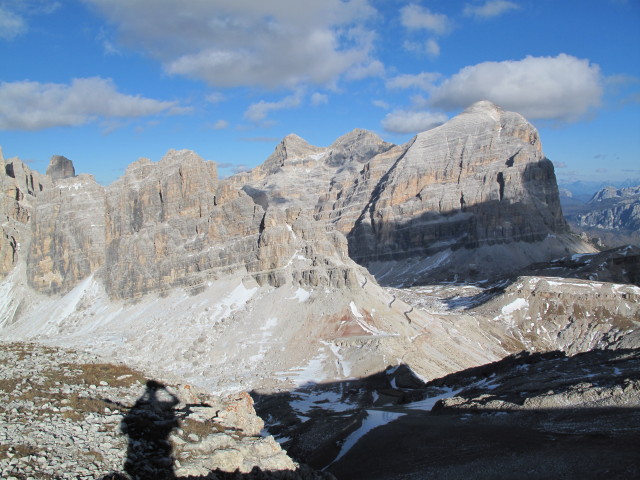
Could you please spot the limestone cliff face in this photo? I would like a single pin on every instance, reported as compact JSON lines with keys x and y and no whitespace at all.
{"x":175,"y":224}
{"x":67,"y":233}
{"x":479,"y":181}
{"x":613,"y":209}
{"x":19,"y":187}
{"x":169,"y":223}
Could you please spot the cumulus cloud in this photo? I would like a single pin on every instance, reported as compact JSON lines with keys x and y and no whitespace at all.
{"x":319,"y":99}
{"x":424,"y":80}
{"x":226,"y":168}
{"x":215,"y":97}
{"x":433,"y":48}
{"x":259,"y":111}
{"x":30,"y":105}
{"x":14,"y":15}
{"x":220,"y":125}
{"x":380,"y":104}
{"x":490,"y":9}
{"x":11,"y":24}
{"x":411,"y":121}
{"x":374,"y":68}
{"x":430,"y":48}
{"x":268,"y":44}
{"x":415,"y":17}
{"x":562,"y":88}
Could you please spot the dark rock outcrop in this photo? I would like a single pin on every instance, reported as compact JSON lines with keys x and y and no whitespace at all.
{"x":60,"y":167}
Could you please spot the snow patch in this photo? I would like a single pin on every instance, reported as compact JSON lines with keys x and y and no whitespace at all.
{"x":517,"y":304}
{"x":301,"y":295}
{"x":304,"y":402}
{"x":311,"y":373}
{"x":428,"y":403}
{"x":374,"y":419}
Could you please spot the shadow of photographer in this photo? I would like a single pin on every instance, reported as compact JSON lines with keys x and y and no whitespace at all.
{"x":148,"y":425}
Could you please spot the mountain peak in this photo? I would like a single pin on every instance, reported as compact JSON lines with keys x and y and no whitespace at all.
{"x":483,"y":106}
{"x":359,"y":145}
{"x":60,"y":167}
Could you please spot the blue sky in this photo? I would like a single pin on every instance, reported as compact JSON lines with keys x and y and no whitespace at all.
{"x":105,"y":82}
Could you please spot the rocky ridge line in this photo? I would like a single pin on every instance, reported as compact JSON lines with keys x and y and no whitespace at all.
{"x":477,"y":184}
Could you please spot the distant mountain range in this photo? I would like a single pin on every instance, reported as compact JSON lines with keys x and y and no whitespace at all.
{"x":611,"y":215}
{"x":583,"y":191}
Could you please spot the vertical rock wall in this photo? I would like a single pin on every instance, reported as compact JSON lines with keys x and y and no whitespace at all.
{"x":19,"y":187}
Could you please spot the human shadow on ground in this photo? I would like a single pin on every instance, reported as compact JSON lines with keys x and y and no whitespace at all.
{"x":148,"y":425}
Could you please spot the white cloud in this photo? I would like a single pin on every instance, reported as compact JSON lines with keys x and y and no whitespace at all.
{"x":268,"y":44}
{"x":491,"y":8}
{"x":30,"y":105}
{"x":233,"y":167}
{"x":259,"y":111}
{"x":415,"y":17}
{"x":562,"y":88}
{"x":319,"y":99}
{"x":11,"y":25}
{"x":430,"y":48}
{"x":374,"y":68}
{"x":220,"y":125}
{"x":424,"y":81}
{"x":14,"y":14}
{"x":215,"y":97}
{"x":433,"y":48}
{"x":410,"y":121}
{"x":380,"y":104}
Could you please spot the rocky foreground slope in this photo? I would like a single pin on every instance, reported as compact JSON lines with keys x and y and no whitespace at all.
{"x":65,"y":414}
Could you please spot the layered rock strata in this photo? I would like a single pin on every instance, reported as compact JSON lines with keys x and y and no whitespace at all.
{"x":19,"y":187}
{"x":478,"y":182}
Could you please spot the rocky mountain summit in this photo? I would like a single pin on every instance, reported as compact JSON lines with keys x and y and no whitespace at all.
{"x":258,"y":258}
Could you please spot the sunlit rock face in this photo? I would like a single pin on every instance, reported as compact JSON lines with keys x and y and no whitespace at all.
{"x":67,"y":233}
{"x":265,"y":270}
{"x":476,"y":190}
{"x":479,"y":179}
{"x":19,"y":187}
{"x":613,"y":209}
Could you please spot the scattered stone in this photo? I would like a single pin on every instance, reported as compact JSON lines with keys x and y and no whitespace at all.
{"x":124,"y":430}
